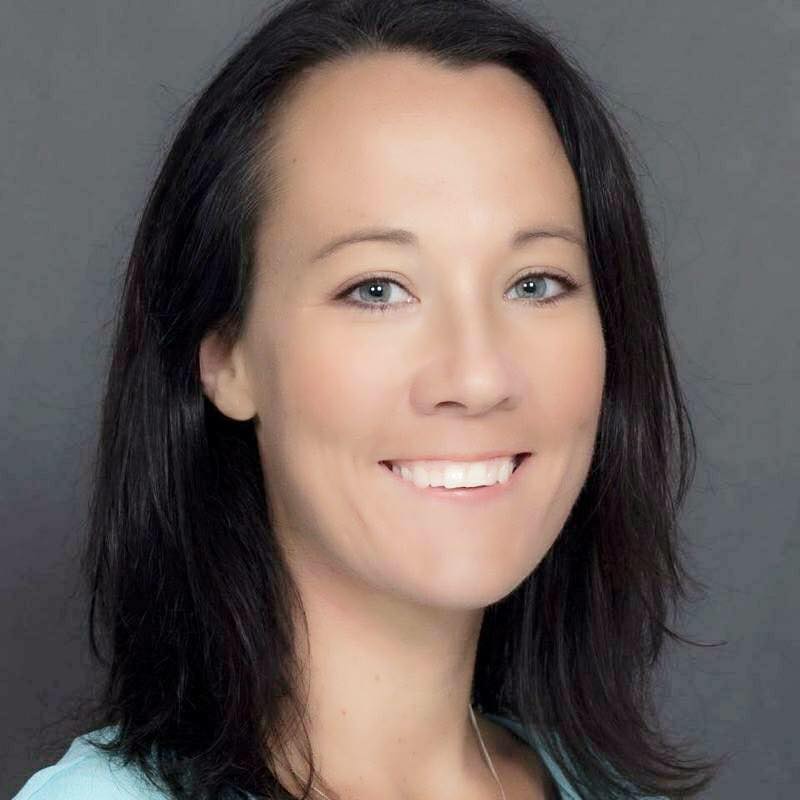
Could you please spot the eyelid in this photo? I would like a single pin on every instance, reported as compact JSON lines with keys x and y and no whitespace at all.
{"x":570,"y":286}
{"x":544,"y":271}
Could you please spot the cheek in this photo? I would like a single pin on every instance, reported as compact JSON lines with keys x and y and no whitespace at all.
{"x":566,"y":380}
{"x":336,"y":380}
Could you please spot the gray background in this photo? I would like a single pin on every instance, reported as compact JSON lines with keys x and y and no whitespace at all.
{"x":92,"y":91}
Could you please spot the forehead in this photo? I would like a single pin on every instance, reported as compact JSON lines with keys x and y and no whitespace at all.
{"x":391,"y":138}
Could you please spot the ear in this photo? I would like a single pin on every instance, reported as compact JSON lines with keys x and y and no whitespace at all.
{"x":224,"y":377}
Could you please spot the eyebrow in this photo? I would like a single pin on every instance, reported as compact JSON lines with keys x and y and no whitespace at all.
{"x":404,"y":237}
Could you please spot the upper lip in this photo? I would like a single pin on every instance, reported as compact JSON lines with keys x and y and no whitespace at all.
{"x":485,"y":456}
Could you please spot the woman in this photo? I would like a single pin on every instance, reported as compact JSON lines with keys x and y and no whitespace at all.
{"x":395,"y":246}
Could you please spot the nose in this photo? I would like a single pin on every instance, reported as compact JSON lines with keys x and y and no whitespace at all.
{"x":472,"y":369}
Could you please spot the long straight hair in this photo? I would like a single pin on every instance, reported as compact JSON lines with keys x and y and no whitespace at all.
{"x":193,"y":610}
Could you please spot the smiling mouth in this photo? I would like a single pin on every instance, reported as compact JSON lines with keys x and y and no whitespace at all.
{"x":518,"y":459}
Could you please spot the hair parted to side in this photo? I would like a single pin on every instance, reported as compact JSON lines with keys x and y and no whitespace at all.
{"x":192,"y":606}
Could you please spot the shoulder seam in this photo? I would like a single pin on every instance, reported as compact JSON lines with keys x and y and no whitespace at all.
{"x":62,"y":768}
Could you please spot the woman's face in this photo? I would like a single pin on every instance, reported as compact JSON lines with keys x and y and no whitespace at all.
{"x":461,"y":362}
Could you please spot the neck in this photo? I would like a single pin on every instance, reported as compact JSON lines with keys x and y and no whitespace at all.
{"x":388,"y":684}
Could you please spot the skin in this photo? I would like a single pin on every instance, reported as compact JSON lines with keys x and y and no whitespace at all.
{"x":394,"y":584}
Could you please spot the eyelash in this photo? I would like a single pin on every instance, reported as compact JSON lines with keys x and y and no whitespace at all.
{"x":570,"y":285}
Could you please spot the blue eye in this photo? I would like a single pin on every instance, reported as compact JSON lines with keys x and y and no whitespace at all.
{"x":532,"y":280}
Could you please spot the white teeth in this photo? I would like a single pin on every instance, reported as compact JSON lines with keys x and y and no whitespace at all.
{"x":452,"y":475}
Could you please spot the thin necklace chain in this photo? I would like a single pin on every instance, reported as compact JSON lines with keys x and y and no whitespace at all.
{"x":485,"y":755}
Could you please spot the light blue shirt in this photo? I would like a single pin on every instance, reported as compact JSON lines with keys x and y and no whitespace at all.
{"x":84,"y":773}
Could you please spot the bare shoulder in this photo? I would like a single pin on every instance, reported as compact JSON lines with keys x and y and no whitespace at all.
{"x":520,"y":767}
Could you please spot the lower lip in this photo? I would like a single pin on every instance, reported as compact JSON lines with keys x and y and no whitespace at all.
{"x":477,"y":494}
